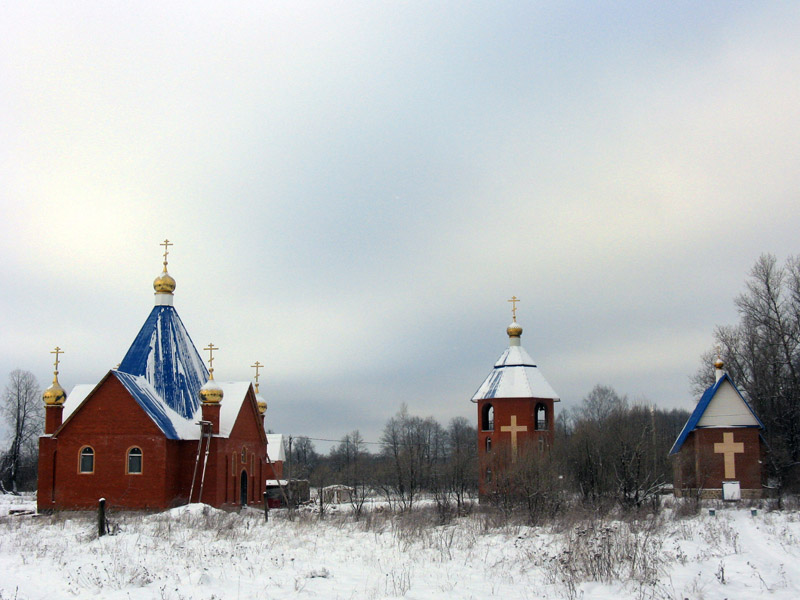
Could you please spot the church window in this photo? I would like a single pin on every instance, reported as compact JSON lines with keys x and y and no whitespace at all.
{"x":86,"y":460}
{"x":541,"y":417}
{"x":487,"y":418}
{"x":488,"y":475}
{"x":135,"y":461}
{"x":244,"y":455}
{"x":488,"y":444}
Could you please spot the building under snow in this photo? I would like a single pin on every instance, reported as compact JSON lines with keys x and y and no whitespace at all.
{"x":157,"y":431}
{"x":719,"y":451}
{"x":515,"y":411}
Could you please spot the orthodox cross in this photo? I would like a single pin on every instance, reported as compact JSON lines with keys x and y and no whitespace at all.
{"x":57,"y":351}
{"x":166,"y":244}
{"x":514,"y":301}
{"x":729,"y":450}
{"x":211,"y":349}
{"x":257,"y":366}
{"x":514,"y":429}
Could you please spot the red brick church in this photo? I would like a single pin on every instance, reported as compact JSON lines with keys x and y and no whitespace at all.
{"x":719,"y":452}
{"x":157,"y":431}
{"x":515,"y":411}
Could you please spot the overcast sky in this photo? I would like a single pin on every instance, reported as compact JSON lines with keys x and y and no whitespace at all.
{"x":354,"y":190}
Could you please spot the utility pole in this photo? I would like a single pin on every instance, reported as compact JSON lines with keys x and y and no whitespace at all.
{"x":291,"y":489}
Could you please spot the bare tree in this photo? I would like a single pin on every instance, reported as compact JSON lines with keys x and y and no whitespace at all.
{"x":415,"y":447}
{"x":23,"y":412}
{"x":461,"y":469}
{"x":762,"y":354}
{"x":350,"y":461}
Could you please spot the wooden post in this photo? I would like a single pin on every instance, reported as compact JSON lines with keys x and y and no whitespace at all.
{"x":101,"y":517}
{"x":266,"y":507}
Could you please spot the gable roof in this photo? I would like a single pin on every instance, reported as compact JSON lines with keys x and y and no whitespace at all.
{"x":275,"y":442}
{"x":515,"y":375}
{"x":163,"y":353}
{"x":702,"y":406}
{"x":173,"y":425}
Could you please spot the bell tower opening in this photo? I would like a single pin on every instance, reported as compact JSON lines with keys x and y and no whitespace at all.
{"x":487,"y":418}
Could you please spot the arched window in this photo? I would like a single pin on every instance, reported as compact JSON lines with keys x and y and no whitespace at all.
{"x":488,"y":475}
{"x":86,"y":460}
{"x":488,"y":444}
{"x":487,"y":418}
{"x":541,"y":417}
{"x":135,"y":461}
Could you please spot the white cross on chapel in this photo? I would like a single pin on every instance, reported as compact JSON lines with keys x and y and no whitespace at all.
{"x":514,"y":429}
{"x":729,"y":450}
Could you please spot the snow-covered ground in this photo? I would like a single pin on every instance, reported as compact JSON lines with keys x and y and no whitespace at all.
{"x":196,"y":552}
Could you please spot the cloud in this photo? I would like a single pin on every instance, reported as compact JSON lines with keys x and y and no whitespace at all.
{"x":354,"y":191}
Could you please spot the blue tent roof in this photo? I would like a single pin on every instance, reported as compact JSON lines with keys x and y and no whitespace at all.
{"x":147,"y":398}
{"x":163,"y":353}
{"x":701,"y":407}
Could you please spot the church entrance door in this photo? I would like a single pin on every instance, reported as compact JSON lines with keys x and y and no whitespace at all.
{"x":243,"y":489}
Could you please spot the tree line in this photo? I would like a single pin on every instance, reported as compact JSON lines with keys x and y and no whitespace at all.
{"x":606,"y":452}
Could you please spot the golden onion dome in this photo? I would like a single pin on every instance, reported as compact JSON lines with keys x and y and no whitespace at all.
{"x":718,"y":364}
{"x":55,"y":394}
{"x":514,"y":330}
{"x":210,"y":393}
{"x":262,"y":405}
{"x":164,"y":283}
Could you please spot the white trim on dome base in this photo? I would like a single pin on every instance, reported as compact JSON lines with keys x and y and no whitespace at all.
{"x":163,"y":299}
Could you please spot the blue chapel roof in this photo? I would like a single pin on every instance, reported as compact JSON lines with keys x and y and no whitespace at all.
{"x":701,"y":407}
{"x":164,"y":355}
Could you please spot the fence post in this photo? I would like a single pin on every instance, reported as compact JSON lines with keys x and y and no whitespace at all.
{"x":101,"y":517}
{"x":266,"y":507}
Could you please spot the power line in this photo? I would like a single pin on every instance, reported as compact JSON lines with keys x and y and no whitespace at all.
{"x":313,"y":439}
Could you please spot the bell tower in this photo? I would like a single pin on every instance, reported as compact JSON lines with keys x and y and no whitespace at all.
{"x":515,"y":410}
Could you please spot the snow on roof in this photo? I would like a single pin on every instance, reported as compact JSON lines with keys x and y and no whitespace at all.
{"x":234,"y":393}
{"x":515,"y":375}
{"x":699,"y":410}
{"x":174,"y":426}
{"x":163,"y":353}
{"x":275,"y":447}
{"x":76,"y":397}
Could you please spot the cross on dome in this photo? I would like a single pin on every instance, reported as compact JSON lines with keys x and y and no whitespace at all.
{"x":55,"y":394}
{"x":257,"y":366}
{"x":211,"y":349}
{"x":514,"y":301}
{"x":164,"y":284}
{"x":57,"y":351}
{"x":166,"y":243}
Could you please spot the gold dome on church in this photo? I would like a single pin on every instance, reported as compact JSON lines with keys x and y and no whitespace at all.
{"x":262,"y":405}
{"x":210,"y":393}
{"x":718,"y":364}
{"x":514,"y":330}
{"x":164,"y":283}
{"x":55,"y":394}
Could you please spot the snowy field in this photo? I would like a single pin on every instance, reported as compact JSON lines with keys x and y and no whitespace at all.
{"x":196,"y":552}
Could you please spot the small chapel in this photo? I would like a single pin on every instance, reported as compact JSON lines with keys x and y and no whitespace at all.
{"x":156,"y":431}
{"x":515,"y":411}
{"x":719,"y":451}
